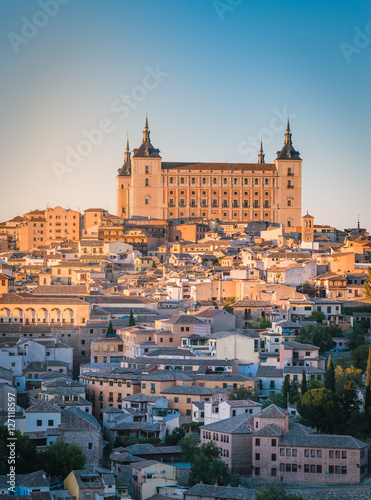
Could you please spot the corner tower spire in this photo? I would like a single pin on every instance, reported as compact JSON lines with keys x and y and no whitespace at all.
{"x":288,"y":133}
{"x":127,"y":151}
{"x":146,"y":131}
{"x":261,"y":154}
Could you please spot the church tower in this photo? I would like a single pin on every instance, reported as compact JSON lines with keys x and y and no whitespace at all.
{"x":123,"y":185}
{"x":146,"y":194}
{"x":288,"y":164}
{"x":307,"y":228}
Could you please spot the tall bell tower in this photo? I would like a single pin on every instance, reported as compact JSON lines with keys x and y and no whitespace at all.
{"x":123,"y":185}
{"x":288,"y":164}
{"x":146,"y":193}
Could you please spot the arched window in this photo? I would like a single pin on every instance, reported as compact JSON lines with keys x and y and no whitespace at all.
{"x":171,"y":180}
{"x":246,"y":181}
{"x":182,"y":180}
{"x":203,"y":180}
{"x":256,"y":182}
{"x":266,"y":182}
{"x":235,"y":181}
{"x":193,"y":180}
{"x":225,"y":180}
{"x":122,"y":186}
{"x":215,"y":180}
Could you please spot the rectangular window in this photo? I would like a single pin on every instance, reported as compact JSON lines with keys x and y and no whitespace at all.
{"x":306,"y":468}
{"x":39,"y":423}
{"x":312,"y":453}
{"x":274,"y":442}
{"x":319,"y":453}
{"x":257,"y":471}
{"x":288,"y":453}
{"x":294,"y":452}
{"x":282,"y":467}
{"x":306,"y":453}
{"x":176,"y":400}
{"x":51,"y":423}
{"x":344,"y":469}
{"x":331,"y":454}
{"x":282,"y":452}
{"x":273,"y":472}
{"x":294,"y":468}
{"x":331,"y":469}
{"x":319,"y":469}
{"x":343,"y":454}
{"x":257,"y":456}
{"x":288,"y":467}
{"x":274,"y":457}
{"x":337,"y":454}
{"x":257,"y":442}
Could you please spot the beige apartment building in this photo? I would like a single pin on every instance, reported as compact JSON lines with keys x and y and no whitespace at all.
{"x":62,"y":224}
{"x":186,"y":191}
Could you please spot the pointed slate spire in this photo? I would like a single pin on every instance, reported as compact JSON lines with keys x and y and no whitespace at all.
{"x":146,"y":131}
{"x":261,"y":154}
{"x":127,"y":152}
{"x":288,"y":133}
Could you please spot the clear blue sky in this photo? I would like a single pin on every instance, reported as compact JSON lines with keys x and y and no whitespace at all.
{"x":225,"y":75}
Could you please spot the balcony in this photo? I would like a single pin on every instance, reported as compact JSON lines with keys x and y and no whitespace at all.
{"x":267,"y":204}
{"x":246,"y":204}
{"x":214,"y":204}
{"x":100,"y":398}
{"x":225,"y":204}
{"x":290,"y":174}
{"x":171,"y":204}
{"x":290,"y":186}
{"x":236,"y":205}
{"x":193,"y":204}
{"x":182,"y":204}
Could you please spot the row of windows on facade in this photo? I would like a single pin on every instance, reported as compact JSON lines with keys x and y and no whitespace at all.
{"x":313,"y":469}
{"x":50,"y":224}
{"x":224,"y":182}
{"x":59,"y":217}
{"x":215,"y":203}
{"x":215,"y":436}
{"x":308,"y":452}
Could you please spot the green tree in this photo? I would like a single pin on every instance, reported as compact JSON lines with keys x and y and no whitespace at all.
{"x":60,"y":458}
{"x":228,"y":304}
{"x":260,"y":324}
{"x":27,"y":459}
{"x":242,"y":393}
{"x":189,"y":446}
{"x":303,"y":386}
{"x":367,"y":286}
{"x":368,"y":369}
{"x":357,"y":336}
{"x":316,"y":335}
{"x":174,"y":438}
{"x":206,"y":465}
{"x":345,"y":375}
{"x":110,"y":331}
{"x":359,"y":357}
{"x":330,"y":375}
{"x":317,"y":316}
{"x":285,"y":390}
{"x":320,"y":408}
{"x":272,"y":491}
{"x":131,"y":318}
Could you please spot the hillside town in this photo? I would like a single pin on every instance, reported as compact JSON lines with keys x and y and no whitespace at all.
{"x":142,"y":351}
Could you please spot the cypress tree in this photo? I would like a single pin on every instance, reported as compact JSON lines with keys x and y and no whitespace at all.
{"x":304,"y":386}
{"x":368,"y":382}
{"x":110,"y":332}
{"x":131,"y":319}
{"x":330,"y":375}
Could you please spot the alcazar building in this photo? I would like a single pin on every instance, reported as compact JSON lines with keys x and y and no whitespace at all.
{"x":182,"y":192}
